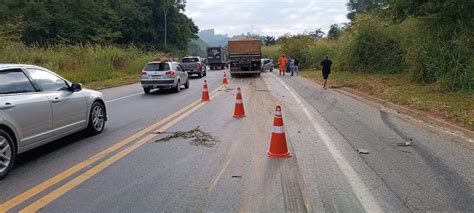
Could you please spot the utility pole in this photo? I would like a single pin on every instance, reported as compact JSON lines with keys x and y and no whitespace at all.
{"x":165,"y":8}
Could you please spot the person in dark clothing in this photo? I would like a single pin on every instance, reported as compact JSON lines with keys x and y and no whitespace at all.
{"x":295,"y":67}
{"x":326,"y":68}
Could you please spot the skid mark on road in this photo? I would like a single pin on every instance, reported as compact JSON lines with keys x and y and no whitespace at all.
{"x":360,"y":189}
{"x":448,"y":178}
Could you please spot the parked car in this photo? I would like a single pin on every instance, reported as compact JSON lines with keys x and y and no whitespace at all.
{"x":194,"y":65}
{"x":38,"y":106}
{"x":164,"y":75}
{"x":267,"y":64}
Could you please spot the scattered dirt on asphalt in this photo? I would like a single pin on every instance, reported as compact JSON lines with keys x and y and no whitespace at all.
{"x":200,"y":138}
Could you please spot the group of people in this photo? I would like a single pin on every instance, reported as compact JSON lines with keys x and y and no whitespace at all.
{"x":288,"y":65}
{"x":291,"y":65}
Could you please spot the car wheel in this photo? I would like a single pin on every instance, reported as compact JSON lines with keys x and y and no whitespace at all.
{"x":178,"y":87}
{"x":7,"y":154}
{"x":96,"y":119}
{"x":187,"y":84}
{"x":147,"y":90}
{"x":200,"y":75}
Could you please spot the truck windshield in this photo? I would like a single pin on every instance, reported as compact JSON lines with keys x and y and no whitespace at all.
{"x":187,"y":60}
{"x":157,"y":67}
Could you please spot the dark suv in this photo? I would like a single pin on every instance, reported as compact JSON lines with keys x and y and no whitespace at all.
{"x":194,"y":65}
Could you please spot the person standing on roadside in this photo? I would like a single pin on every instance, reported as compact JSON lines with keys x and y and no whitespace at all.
{"x":282,"y":64}
{"x":295,"y":67}
{"x":292,"y":65}
{"x":288,"y":68}
{"x":326,"y":68}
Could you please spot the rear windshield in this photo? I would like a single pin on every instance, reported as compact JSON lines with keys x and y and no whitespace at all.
{"x":157,"y":67}
{"x":187,"y":60}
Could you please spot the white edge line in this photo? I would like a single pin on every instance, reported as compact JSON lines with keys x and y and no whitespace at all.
{"x":128,"y":96}
{"x":367,"y":200}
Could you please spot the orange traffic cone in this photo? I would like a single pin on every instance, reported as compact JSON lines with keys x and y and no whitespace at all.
{"x":205,"y":92}
{"x":239,"y":106}
{"x":278,"y":148}
{"x":225,"y":79}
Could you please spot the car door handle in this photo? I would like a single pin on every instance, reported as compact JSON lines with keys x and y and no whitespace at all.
{"x":56,"y":100}
{"x":7,"y":106}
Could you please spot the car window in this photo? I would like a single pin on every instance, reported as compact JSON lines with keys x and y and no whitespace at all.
{"x":14,"y":81}
{"x":157,"y":67}
{"x":47,"y":81}
{"x":187,"y":60}
{"x":178,"y":67}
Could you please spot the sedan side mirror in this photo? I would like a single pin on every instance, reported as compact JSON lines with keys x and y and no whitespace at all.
{"x":76,"y":87}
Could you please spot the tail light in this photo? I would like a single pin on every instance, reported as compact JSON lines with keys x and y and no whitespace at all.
{"x":198,"y":66}
{"x":143,"y":73}
{"x":170,"y":72}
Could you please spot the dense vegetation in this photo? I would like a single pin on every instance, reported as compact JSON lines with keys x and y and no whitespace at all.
{"x":430,"y":41}
{"x":96,"y":66}
{"x":123,"y":22}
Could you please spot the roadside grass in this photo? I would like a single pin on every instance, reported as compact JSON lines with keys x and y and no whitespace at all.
{"x":456,"y":107}
{"x":95,"y":66}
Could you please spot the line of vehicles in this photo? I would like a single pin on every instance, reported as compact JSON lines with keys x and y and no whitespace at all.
{"x":37,"y":106}
{"x":243,"y":56}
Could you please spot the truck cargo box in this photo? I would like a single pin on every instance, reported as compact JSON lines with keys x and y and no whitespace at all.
{"x":245,"y":46}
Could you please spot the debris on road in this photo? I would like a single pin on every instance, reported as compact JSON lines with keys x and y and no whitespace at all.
{"x":408,"y":143}
{"x":226,"y":89}
{"x":363,"y":151}
{"x":236,"y":176}
{"x":201,"y":138}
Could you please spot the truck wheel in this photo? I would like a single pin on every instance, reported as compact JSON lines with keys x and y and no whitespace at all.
{"x":205,"y":73}
{"x":7,"y":154}
{"x":146,"y":90}
{"x":200,"y":75}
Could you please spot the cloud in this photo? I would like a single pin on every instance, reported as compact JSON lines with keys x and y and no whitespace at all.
{"x":268,"y":17}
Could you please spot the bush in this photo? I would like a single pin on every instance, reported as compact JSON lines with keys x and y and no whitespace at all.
{"x":435,"y":53}
{"x":370,"y":46}
{"x":79,"y":63}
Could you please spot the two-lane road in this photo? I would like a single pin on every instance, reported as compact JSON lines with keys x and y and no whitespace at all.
{"x":126,"y":170}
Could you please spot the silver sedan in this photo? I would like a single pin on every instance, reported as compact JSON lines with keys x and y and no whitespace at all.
{"x":38,"y":106}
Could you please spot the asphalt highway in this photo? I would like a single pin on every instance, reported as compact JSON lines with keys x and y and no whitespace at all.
{"x":224,"y":167}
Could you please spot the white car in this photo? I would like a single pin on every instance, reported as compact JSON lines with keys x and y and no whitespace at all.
{"x":164,"y":75}
{"x":38,"y":106}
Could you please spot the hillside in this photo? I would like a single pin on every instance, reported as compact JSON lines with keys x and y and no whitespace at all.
{"x":197,"y":47}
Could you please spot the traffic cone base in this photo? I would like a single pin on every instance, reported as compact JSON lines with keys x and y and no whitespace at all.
{"x":272,"y":155}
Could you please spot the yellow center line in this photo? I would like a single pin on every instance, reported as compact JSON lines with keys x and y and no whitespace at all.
{"x":35,"y":206}
{"x":4,"y":207}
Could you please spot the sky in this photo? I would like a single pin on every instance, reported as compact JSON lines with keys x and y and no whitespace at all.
{"x":266,"y":17}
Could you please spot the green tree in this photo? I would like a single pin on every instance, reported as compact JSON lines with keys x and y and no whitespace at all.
{"x":361,"y":6}
{"x":317,"y":34}
{"x":269,"y":40}
{"x":334,"y":32}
